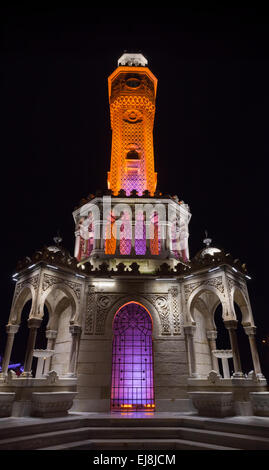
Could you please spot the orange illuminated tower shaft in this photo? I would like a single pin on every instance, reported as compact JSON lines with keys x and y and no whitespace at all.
{"x":132,"y":94}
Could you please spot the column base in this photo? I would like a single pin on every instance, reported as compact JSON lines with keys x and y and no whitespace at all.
{"x":238,"y":374}
{"x":27,"y":374}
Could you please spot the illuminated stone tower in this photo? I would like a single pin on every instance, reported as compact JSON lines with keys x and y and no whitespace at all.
{"x":131,"y":317}
{"x":132,"y":93}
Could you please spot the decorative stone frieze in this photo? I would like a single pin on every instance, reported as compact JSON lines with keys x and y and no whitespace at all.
{"x":213,"y":282}
{"x":49,"y":280}
{"x":90,"y":311}
{"x":173,"y":298}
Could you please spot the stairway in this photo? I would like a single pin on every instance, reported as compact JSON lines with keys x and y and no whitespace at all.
{"x":108,"y":433}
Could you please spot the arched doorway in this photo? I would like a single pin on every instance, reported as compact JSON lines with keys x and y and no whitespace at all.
{"x":132,"y":385}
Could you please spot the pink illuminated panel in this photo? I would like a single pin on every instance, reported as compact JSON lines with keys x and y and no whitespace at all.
{"x":132,"y":359}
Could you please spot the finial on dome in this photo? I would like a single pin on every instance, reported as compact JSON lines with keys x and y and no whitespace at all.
{"x":207,"y":241}
{"x":58,"y":239}
{"x":132,"y":60}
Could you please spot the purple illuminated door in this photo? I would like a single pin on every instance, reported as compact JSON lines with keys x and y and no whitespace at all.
{"x":132,"y":359}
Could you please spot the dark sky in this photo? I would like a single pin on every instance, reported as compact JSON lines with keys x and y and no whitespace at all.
{"x":210,"y":134}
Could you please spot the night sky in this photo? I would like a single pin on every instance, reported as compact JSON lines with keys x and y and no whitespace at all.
{"x":210,"y":134}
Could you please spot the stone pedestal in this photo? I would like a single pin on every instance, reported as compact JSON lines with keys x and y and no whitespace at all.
{"x":260,"y":403}
{"x":6,"y":402}
{"x":51,"y":404}
{"x":42,"y":355}
{"x":224,"y":355}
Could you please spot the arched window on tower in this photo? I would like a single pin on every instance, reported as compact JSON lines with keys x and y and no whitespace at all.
{"x":132,"y":155}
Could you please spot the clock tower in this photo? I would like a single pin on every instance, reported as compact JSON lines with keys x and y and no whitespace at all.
{"x":132,"y":93}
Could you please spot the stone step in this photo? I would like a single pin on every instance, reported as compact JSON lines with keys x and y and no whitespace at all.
{"x":28,"y":426}
{"x":232,"y":440}
{"x":137,"y":444}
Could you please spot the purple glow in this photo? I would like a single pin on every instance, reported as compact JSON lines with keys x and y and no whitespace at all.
{"x":132,"y":359}
{"x":140,"y":235}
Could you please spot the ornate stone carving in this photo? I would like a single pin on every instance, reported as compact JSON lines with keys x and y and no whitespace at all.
{"x":33,"y":281}
{"x":104,"y":304}
{"x":161,"y":304}
{"x":173,"y":297}
{"x":213,"y":282}
{"x":49,"y":280}
{"x":90,"y":311}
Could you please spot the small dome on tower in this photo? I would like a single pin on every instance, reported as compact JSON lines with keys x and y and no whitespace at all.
{"x":132,"y":60}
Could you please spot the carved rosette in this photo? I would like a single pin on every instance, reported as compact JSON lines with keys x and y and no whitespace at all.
{"x":49,"y":280}
{"x":213,"y":282}
{"x":173,"y":301}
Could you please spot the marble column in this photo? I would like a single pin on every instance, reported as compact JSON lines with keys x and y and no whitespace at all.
{"x":11,"y":331}
{"x":33,"y":325}
{"x":189,"y":335}
{"x":51,"y":339}
{"x":231,"y":326}
{"x":251,"y":331}
{"x":75,"y":331}
{"x":212,"y":336}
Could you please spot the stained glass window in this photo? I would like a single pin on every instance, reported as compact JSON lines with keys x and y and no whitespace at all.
{"x":132,"y":359}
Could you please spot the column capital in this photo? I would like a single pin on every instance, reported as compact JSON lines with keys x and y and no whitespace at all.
{"x":34,"y":322}
{"x":250,"y":330}
{"x":12,"y":329}
{"x":230,"y":324}
{"x":211,"y":334}
{"x":75,"y":329}
{"x":51,"y":334}
{"x":189,"y":329}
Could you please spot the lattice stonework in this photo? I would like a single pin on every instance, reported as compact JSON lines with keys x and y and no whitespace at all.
{"x":132,"y":359}
{"x":132,"y":109}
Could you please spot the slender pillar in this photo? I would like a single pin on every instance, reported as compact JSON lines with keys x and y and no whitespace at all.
{"x":75,"y":331}
{"x":212,"y":336}
{"x":189,"y":333}
{"x":225,"y":367}
{"x":251,"y":331}
{"x":11,"y":331}
{"x":168,"y":237}
{"x":147,"y":225}
{"x":33,"y":325}
{"x":133,"y":238}
{"x":231,"y":326}
{"x":163,"y":237}
{"x":77,"y":244}
{"x":51,"y":339}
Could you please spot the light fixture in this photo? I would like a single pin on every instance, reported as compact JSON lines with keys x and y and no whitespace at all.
{"x":248,"y":277}
{"x":52,"y":267}
{"x":165,"y":279}
{"x":80,"y":275}
{"x":187,"y":277}
{"x":32,"y":265}
{"x":14,"y":275}
{"x":213,"y":269}
{"x":234,"y":269}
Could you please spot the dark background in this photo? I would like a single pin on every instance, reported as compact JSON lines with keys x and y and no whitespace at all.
{"x":210,"y":134}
